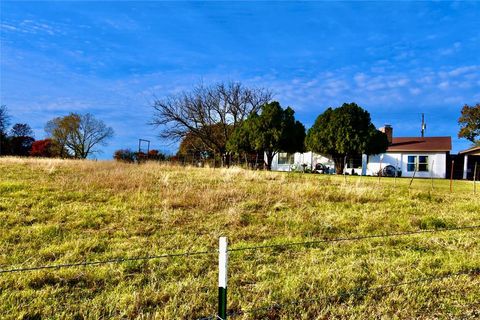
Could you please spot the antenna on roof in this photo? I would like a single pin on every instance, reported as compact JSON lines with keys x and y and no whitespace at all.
{"x":424,"y":125}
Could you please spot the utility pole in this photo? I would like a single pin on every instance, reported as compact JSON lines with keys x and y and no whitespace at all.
{"x":424,"y":125}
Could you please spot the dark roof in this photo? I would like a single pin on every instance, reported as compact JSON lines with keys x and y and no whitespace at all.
{"x":421,"y":144}
{"x":472,"y":150}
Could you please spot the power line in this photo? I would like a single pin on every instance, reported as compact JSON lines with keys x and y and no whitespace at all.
{"x":291,"y":244}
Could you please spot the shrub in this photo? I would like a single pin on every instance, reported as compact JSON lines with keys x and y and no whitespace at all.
{"x":47,"y":148}
{"x":125,"y":155}
{"x":156,"y":155}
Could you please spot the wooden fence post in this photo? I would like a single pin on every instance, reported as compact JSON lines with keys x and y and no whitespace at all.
{"x":395,"y":178}
{"x":380,"y":172}
{"x":431,"y":172}
{"x":222,"y":278}
{"x":475,"y":179}
{"x":413,"y":176}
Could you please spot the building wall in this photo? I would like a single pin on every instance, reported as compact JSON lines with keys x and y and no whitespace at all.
{"x":437,"y":163}
{"x":308,"y":158}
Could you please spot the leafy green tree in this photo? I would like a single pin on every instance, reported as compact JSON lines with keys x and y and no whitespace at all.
{"x":240,"y":140}
{"x":273,"y":130}
{"x":78,"y":135}
{"x":469,"y":123}
{"x":345,"y":131}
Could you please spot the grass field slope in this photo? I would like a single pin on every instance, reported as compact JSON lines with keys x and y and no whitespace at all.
{"x":61,"y":212}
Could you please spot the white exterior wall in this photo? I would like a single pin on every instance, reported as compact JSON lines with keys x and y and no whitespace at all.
{"x":308,"y":158}
{"x":438,"y":159}
{"x":400,"y":159}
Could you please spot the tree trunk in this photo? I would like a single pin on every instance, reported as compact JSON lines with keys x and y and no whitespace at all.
{"x":339,"y":161}
{"x":270,"y":156}
{"x":226,"y":159}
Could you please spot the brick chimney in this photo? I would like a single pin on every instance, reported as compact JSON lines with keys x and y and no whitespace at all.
{"x":388,"y":130}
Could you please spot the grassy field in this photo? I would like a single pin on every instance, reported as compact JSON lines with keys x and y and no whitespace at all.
{"x":54,"y":211}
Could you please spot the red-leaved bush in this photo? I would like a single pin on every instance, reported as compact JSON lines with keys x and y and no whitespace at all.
{"x":44,"y":148}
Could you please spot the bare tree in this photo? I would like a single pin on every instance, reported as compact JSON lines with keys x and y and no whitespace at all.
{"x":4,"y":122}
{"x":210,"y":113}
{"x":4,"y":119}
{"x":21,"y":139}
{"x":78,"y":135}
{"x":21,"y":130}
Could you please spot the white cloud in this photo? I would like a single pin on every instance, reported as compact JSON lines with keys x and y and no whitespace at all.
{"x":8,"y":27}
{"x":450,"y":50}
{"x":32,"y":27}
{"x":415,"y":91}
{"x":377,"y":90}
{"x":444,"y":85}
{"x":462,"y":70}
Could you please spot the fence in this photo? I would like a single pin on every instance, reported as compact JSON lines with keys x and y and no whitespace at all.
{"x":223,"y":252}
{"x":252,"y":161}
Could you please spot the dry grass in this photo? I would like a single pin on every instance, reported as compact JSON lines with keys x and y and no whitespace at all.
{"x":56,"y":211}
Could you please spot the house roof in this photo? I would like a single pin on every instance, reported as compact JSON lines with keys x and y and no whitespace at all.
{"x":420,"y":144}
{"x":471,"y":151}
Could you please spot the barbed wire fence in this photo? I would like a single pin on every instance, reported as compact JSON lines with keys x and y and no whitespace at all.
{"x":276,"y":306}
{"x":341,"y":296}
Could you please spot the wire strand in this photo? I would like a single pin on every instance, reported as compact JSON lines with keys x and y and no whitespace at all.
{"x":387,"y":235}
{"x":100,"y":262}
{"x":186,"y":254}
{"x":472,"y":272}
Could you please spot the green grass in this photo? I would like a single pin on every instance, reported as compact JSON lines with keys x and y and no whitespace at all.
{"x":54,"y":211}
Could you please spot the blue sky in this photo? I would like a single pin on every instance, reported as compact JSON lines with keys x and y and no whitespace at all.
{"x":396,"y":59}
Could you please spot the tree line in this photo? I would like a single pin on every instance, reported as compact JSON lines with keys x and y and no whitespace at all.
{"x":72,"y":136}
{"x":220,"y":120}
{"x":230,"y":119}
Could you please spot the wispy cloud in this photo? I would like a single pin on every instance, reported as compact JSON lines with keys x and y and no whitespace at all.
{"x":451,"y":49}
{"x":112,"y":60}
{"x":31,"y":27}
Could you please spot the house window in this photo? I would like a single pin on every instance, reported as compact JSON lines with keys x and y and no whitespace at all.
{"x":422,"y":163}
{"x":285,"y":158}
{"x":419,"y":162}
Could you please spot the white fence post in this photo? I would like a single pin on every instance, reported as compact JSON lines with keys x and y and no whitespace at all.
{"x":222,"y":278}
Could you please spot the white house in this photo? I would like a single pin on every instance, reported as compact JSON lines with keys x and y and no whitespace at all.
{"x":426,"y":156}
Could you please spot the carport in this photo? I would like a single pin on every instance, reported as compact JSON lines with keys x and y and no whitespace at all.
{"x":471,"y":157}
